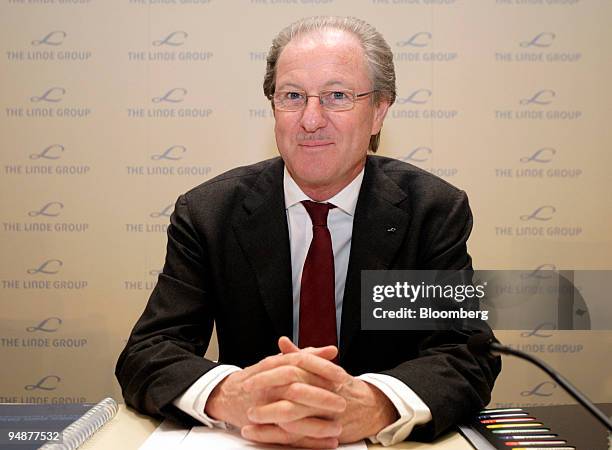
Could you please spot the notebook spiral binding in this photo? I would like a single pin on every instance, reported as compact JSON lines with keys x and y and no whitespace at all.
{"x":82,"y":429}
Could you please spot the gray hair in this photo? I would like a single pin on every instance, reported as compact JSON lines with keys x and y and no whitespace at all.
{"x":378,"y":55}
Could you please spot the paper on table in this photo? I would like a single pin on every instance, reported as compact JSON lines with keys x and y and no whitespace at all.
{"x":167,"y":436}
{"x":170,"y":436}
{"x":204,"y":437}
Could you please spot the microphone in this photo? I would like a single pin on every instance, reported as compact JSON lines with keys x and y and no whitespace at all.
{"x":484,"y":344}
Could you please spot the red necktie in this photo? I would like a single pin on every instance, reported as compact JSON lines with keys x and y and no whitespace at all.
{"x":318,"y":286}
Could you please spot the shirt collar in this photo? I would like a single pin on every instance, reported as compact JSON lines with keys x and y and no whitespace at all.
{"x":346,"y":199}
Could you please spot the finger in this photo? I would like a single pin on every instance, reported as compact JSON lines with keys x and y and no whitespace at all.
{"x":313,"y":427}
{"x":273,"y":434}
{"x":298,"y":401}
{"x":286,"y":375}
{"x":304,"y":360}
{"x":281,"y":411}
{"x":286,"y":346}
{"x":327,"y":353}
{"x":315,"y":397}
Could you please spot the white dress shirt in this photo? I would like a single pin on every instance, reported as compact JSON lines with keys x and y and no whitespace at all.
{"x":411,"y":409}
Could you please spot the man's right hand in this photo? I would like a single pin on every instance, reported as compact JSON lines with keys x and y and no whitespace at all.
{"x":308,"y":398}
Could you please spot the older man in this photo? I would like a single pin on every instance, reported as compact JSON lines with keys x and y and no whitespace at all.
{"x":275,"y":250}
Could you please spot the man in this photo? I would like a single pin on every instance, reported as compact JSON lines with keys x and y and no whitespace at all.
{"x":258,"y":249}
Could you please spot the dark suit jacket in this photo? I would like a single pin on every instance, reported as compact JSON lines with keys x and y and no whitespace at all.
{"x":228,"y":262}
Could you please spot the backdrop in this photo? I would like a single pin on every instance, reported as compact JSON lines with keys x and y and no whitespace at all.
{"x":110,"y":109}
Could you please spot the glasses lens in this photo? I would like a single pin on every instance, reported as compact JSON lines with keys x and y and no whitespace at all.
{"x":290,"y":101}
{"x":330,"y":100}
{"x":337,"y":100}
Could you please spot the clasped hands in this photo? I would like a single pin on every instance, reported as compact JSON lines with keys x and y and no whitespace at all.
{"x":300,"y":398}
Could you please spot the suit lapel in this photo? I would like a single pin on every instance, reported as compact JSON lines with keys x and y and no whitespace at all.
{"x":264,"y":237}
{"x":379,"y":227}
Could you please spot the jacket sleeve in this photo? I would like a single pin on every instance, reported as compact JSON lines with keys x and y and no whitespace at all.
{"x":164,"y":354}
{"x":453,"y":382}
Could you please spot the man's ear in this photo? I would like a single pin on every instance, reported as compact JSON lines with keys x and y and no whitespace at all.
{"x":380,"y":112}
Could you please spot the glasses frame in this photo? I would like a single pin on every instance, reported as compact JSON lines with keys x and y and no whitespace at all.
{"x":354,"y":96}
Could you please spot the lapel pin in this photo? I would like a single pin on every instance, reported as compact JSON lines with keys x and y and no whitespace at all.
{"x":392,"y":230}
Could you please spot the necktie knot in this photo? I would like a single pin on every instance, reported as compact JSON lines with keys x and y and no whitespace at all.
{"x":318,"y":212}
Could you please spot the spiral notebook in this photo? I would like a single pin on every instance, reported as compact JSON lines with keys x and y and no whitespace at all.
{"x":52,"y":427}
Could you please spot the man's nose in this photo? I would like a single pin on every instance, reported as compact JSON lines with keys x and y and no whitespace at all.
{"x":313,"y":116}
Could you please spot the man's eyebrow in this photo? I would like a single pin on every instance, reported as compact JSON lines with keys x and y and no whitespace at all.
{"x":328,"y":84}
{"x":290,"y":85}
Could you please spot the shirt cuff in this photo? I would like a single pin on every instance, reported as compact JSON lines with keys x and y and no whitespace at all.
{"x":193,"y":400}
{"x":411,"y":409}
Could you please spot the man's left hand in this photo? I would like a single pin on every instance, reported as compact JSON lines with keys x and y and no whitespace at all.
{"x":367,"y":412}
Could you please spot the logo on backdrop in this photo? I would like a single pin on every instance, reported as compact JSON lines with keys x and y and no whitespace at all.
{"x":540,"y":330}
{"x":543,"y":389}
{"x":538,"y":49}
{"x":542,"y":40}
{"x":550,"y":3}
{"x":52,"y":95}
{"x":40,"y":390}
{"x":173,"y":153}
{"x":174,"y":39}
{"x":49,"y":103}
{"x":421,"y":156}
{"x":143,"y":284}
{"x":47,"y":47}
{"x":542,"y":272}
{"x":417,"y":48}
{"x":542,"y":163}
{"x":258,"y":55}
{"x":48,"y":325}
{"x":65,"y":4}
{"x":53,"y":38}
{"x":47,"y":267}
{"x":542,"y":213}
{"x":44,"y":162}
{"x":291,"y":2}
{"x":418,"y":97}
{"x":541,"y":155}
{"x":52,"y":152}
{"x":539,"y":105}
{"x":418,"y":155}
{"x":169,"y":104}
{"x":420,"y":39}
{"x":165,"y":212}
{"x":175,"y":95}
{"x":157,"y":223}
{"x":48,"y":210}
{"x":51,"y":209}
{"x":416,"y":105}
{"x":439,"y":3}
{"x":44,"y":334}
{"x":542,"y":97}
{"x":45,"y":277}
{"x":168,"y":164}
{"x":47,"y":383}
{"x":540,"y":222}
{"x":169,"y":2}
{"x":171,"y":47}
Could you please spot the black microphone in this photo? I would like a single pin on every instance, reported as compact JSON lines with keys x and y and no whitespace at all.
{"x":484,"y":344}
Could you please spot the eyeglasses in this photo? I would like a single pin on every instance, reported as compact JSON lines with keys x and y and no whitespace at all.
{"x":338,"y":100}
